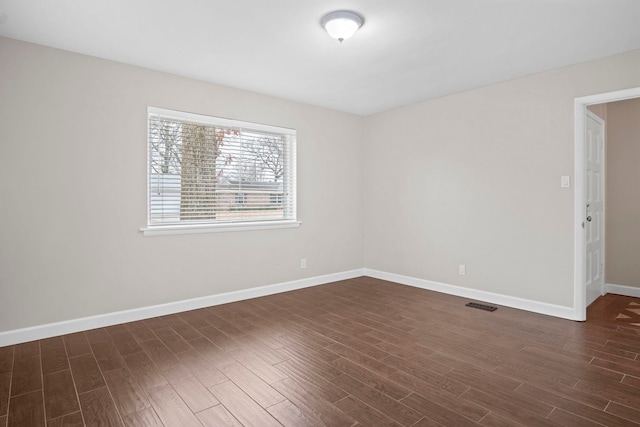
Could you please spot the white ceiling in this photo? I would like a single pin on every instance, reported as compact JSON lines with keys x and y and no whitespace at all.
{"x":407,"y":51}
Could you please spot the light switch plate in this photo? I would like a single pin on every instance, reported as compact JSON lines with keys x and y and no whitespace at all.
{"x":565,"y":181}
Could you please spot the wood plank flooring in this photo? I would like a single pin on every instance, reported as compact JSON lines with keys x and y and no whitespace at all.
{"x":361,"y":352}
{"x":616,"y":309}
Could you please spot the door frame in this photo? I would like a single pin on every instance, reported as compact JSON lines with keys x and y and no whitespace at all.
{"x":579,"y":249}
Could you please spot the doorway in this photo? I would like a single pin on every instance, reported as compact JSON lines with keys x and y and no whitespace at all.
{"x":581,"y":212}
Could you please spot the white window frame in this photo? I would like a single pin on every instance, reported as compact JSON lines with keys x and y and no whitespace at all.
{"x":165,"y":229}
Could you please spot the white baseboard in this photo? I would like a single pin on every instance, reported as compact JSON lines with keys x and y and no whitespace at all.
{"x":83,"y":324}
{"x":513,"y":302}
{"x":629,"y":291}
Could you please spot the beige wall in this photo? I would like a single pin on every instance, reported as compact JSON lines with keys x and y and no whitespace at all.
{"x":73,"y":191}
{"x":599,"y":110}
{"x":623,"y":193}
{"x":474,"y":179}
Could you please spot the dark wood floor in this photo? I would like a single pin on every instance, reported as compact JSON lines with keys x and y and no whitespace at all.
{"x":616,"y":310}
{"x":361,"y":352}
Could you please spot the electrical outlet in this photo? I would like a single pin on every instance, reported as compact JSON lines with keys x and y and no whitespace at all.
{"x":303,"y":263}
{"x":462,"y":270}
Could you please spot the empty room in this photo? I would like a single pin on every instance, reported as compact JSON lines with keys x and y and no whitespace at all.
{"x":338,"y":213}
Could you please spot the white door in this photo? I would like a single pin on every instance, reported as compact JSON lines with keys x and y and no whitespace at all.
{"x":594,"y":224}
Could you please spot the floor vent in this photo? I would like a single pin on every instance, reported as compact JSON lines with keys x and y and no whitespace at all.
{"x":481,"y":306}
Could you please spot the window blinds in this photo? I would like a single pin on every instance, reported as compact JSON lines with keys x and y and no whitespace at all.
{"x":208,"y":170}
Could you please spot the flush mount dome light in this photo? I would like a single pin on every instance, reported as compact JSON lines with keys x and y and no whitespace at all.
{"x":342,"y":24}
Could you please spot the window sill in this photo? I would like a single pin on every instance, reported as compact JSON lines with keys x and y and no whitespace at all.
{"x":166,"y":230}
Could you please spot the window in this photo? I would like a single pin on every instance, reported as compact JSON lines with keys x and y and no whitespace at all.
{"x":241,"y":198}
{"x":275,"y":198}
{"x":209,"y":174}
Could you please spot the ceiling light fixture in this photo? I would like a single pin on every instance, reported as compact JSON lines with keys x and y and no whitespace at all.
{"x":342,"y":24}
